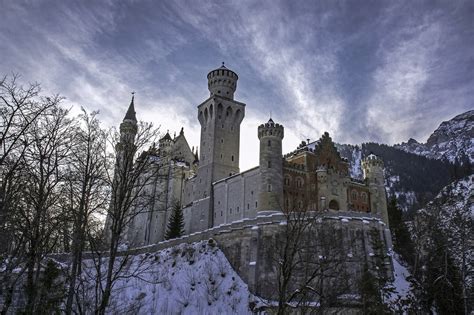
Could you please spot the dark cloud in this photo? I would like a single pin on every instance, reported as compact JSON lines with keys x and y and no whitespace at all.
{"x":362,"y":70}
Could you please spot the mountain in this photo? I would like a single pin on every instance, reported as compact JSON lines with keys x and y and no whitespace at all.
{"x":416,"y":172}
{"x":453,"y":139}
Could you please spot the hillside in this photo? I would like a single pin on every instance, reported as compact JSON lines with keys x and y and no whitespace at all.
{"x":185,"y":279}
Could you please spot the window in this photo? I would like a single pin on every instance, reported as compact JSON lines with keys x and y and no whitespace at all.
{"x":269,"y":143}
{"x":299,"y":182}
{"x":256,"y":204}
{"x":364,"y":197}
{"x":230,"y":210}
{"x":232,"y":158}
{"x":269,"y":164}
{"x":238,"y":209}
{"x":248,"y":206}
{"x":269,"y":187}
{"x":354,"y":195}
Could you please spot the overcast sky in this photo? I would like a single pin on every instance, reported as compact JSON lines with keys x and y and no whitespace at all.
{"x":364,"y":71}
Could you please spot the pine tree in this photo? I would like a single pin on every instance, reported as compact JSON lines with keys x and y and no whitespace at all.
{"x":402,"y":241}
{"x":370,"y":295}
{"x":175,"y":226}
{"x":442,"y":281}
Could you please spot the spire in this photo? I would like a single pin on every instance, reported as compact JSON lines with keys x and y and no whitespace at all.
{"x":131,"y":115}
{"x":182,"y":131}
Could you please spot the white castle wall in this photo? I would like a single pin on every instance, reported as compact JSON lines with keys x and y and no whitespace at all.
{"x":236,"y":197}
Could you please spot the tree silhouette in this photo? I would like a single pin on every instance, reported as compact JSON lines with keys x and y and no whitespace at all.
{"x":175,"y":226}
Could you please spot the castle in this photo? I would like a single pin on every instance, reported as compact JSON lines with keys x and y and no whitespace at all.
{"x":212,"y":190}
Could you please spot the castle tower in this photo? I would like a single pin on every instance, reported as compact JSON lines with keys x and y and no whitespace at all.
{"x":220,"y":117}
{"x":166,"y":144}
{"x":372,"y":166}
{"x":270,"y":197}
{"x":128,"y":130}
{"x":125,"y":151}
{"x":222,"y":82}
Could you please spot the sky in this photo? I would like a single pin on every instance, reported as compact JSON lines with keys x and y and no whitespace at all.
{"x":382,"y":71}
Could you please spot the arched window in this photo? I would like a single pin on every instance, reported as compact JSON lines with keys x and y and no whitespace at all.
{"x":354,"y":195}
{"x":269,"y":164}
{"x":363,"y":196}
{"x":299,"y":182}
{"x":269,"y":143}
{"x":228,"y":112}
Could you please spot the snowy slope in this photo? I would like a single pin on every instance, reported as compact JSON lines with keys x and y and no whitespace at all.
{"x":185,"y":279}
{"x":452,"y":139}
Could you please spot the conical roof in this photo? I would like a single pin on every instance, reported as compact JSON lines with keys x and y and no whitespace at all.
{"x":131,"y":115}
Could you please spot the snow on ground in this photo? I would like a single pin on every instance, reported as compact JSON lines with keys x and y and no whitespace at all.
{"x":185,"y":279}
{"x":402,"y":286}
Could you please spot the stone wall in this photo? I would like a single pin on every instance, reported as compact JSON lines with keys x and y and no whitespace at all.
{"x":250,"y":246}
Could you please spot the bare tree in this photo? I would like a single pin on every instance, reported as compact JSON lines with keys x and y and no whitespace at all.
{"x":310,"y":259}
{"x":134,"y":171}
{"x":45,"y":161}
{"x":30,"y":129}
{"x":20,"y":108}
{"x":86,"y":191}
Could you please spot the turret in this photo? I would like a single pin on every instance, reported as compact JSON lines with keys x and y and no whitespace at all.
{"x":222,"y":82}
{"x":166,"y":144}
{"x":128,"y":127}
{"x":271,"y":167}
{"x":372,"y":166}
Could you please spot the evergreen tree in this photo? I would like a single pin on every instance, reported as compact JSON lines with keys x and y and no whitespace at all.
{"x":370,"y":295}
{"x":402,"y":241}
{"x":442,"y":280}
{"x":175,"y":227}
{"x":52,"y":290}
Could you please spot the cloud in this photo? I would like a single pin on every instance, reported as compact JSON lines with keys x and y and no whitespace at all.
{"x":361,"y":71}
{"x":398,"y":81}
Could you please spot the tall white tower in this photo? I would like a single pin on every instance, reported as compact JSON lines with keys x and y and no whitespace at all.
{"x":372,"y":166}
{"x":220,"y":117}
{"x":270,"y":197}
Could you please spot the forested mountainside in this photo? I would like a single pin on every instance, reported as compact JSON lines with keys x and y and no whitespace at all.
{"x":414,"y":172}
{"x":413,"y":179}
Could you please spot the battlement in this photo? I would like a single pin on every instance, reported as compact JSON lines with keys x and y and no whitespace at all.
{"x":372,"y":160}
{"x":222,"y":81}
{"x":270,"y":129}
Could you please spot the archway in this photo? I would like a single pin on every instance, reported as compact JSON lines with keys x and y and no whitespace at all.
{"x":333,"y":205}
